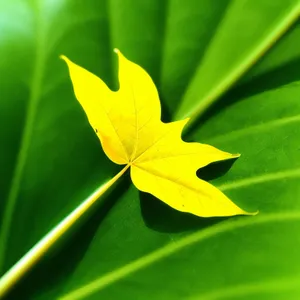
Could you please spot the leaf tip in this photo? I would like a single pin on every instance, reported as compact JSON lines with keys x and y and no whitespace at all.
{"x":116,"y":50}
{"x":63,"y":57}
{"x":254,"y":213}
{"x":249,"y":213}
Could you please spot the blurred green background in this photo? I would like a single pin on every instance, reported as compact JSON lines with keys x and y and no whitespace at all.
{"x":233,"y":66}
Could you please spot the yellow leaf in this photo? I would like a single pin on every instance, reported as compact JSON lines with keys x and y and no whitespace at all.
{"x":128,"y":125}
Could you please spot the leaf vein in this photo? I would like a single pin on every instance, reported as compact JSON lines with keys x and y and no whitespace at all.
{"x":259,"y":179}
{"x":102,"y":282}
{"x":254,"y":129}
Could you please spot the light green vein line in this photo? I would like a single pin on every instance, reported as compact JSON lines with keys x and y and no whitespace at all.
{"x":9,"y":279}
{"x":147,"y":260}
{"x":37,"y":251}
{"x":25,"y":141}
{"x":260,"y":179}
{"x":271,"y":286}
{"x":212,"y":95}
{"x":254,"y":129}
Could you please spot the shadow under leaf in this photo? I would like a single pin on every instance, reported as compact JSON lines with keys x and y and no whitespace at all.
{"x":160,"y":217}
{"x":215,"y":170}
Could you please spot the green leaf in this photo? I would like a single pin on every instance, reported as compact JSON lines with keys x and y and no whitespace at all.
{"x":285,"y":54}
{"x":263,"y":23}
{"x":188,"y":31}
{"x":279,"y":67}
{"x":50,"y":159}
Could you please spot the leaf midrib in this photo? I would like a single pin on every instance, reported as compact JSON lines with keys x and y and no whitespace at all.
{"x":35,"y":92}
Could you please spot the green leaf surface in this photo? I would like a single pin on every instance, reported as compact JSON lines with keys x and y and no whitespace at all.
{"x":134,"y":246}
{"x":188,"y":32}
{"x":261,"y":23}
{"x":283,"y":58}
{"x":50,"y":158}
{"x":143,"y":45}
